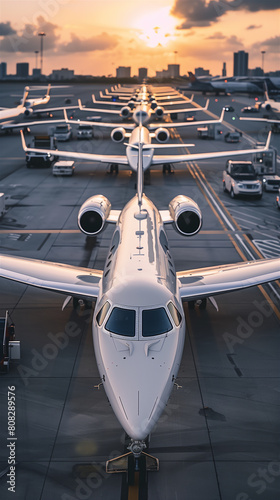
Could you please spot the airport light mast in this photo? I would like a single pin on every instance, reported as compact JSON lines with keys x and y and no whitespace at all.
{"x":42,"y":34}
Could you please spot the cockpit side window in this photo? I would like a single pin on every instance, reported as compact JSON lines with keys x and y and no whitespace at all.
{"x":155,"y":322}
{"x":102,"y":313}
{"x":122,"y":322}
{"x":176,"y":316}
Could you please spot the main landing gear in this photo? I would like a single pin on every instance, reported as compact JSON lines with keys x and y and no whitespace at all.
{"x":167,"y":168}
{"x":113,"y":167}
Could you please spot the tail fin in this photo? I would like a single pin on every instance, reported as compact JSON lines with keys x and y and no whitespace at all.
{"x":48,"y":91}
{"x":266,"y":91}
{"x":24,"y":97}
{"x":192,"y":78}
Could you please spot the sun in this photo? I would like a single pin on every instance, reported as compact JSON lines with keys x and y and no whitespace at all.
{"x":156,"y":28}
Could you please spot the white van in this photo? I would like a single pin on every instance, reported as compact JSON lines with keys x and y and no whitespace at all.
{"x":63,"y":168}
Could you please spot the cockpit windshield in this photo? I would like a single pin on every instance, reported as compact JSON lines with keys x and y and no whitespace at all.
{"x":155,"y":322}
{"x":122,"y":322}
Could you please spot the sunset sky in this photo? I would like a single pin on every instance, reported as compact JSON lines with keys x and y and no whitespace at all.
{"x":96,"y":36}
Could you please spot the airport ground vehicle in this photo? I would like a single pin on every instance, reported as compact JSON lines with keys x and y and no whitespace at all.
{"x":278,"y":200}
{"x":2,"y":204}
{"x":85,"y":132}
{"x":63,"y":132}
{"x":271,"y":182}
{"x":63,"y":168}
{"x":249,"y":109}
{"x":232,"y":137}
{"x":210,"y":131}
{"x":240,"y":178}
{"x":9,"y":347}
{"x":37,"y":159}
{"x":265,"y":162}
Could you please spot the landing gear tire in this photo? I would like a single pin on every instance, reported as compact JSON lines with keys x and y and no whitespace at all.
{"x":167,"y":168}
{"x":232,"y":194}
{"x":202,"y":304}
{"x":114,"y":167}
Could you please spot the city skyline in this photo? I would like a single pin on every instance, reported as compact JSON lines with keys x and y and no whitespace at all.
{"x":95,"y":38}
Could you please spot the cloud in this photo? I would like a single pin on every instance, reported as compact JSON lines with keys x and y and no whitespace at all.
{"x":100,"y":42}
{"x":271,"y":44}
{"x":27,"y":40}
{"x":253,"y":27}
{"x":205,"y":13}
{"x":216,"y":36}
{"x":6,"y":29}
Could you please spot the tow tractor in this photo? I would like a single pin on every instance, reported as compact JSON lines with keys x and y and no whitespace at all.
{"x":9,"y":347}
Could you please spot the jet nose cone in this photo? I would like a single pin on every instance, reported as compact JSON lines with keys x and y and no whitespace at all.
{"x":141,"y":411}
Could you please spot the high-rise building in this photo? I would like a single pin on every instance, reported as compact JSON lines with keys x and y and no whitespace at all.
{"x":240,"y":63}
{"x":3,"y":69}
{"x":142,"y":73}
{"x":22,"y":70}
{"x":173,"y":70}
{"x":123,"y":72}
{"x":201,"y":72}
{"x":62,"y":74}
{"x":224,"y":70}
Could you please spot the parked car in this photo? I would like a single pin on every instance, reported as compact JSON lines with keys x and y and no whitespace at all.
{"x":63,"y":168}
{"x":63,"y":132}
{"x":271,"y":182}
{"x":249,"y":109}
{"x":240,"y":178}
{"x":232,"y":136}
{"x":85,"y":132}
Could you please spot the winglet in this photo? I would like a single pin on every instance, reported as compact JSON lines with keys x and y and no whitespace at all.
{"x":80,"y":104}
{"x":24,"y":97}
{"x":206,"y":105}
{"x":23,"y":141}
{"x":268,"y":140}
{"x":48,"y":91}
{"x":191,"y":99}
{"x":222,"y":115}
{"x":65,"y":115}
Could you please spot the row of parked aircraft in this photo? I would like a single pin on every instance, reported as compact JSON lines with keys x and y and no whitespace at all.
{"x":138,"y":323}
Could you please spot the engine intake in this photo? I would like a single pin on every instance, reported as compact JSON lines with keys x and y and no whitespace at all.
{"x":159,"y":112}
{"x":28,"y":112}
{"x":125,"y":112}
{"x":118,"y":134}
{"x":186,"y":215}
{"x":93,"y":214}
{"x":162,"y":135}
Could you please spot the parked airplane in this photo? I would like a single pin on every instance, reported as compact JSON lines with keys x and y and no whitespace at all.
{"x":222,"y":87}
{"x":143,"y":111}
{"x":138,"y":322}
{"x":11,"y":113}
{"x":272,"y":107}
{"x":142,"y":134}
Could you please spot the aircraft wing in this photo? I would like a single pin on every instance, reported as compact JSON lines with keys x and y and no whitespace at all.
{"x":30,"y":124}
{"x":50,"y":110}
{"x":128,"y":126}
{"x":187,"y":110}
{"x":267,"y":120}
{"x":208,"y":281}
{"x":154,"y":126}
{"x":162,"y":159}
{"x":120,"y":159}
{"x":70,"y":280}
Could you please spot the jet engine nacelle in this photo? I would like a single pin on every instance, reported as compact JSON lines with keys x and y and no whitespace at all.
{"x":159,"y":112}
{"x":93,"y":214}
{"x":118,"y":134}
{"x":162,"y":135}
{"x":125,"y":112}
{"x":267,"y":107}
{"x":28,"y":112}
{"x":186,"y":215}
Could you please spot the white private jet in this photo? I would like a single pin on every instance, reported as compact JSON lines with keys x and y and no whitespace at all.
{"x":12,"y":113}
{"x":273,"y":107}
{"x":138,"y":323}
{"x":141,"y":134}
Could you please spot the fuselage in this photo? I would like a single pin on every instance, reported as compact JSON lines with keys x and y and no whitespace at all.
{"x":138,"y":325}
{"x":139,"y":135}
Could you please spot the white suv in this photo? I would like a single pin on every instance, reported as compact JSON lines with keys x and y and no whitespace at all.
{"x":63,"y":132}
{"x":240,"y":178}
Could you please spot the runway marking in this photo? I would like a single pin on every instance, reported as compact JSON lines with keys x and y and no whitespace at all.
{"x":40,"y":231}
{"x":231,"y":222}
{"x":268,"y":248}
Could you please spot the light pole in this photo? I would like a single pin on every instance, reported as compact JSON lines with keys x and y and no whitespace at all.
{"x":263,"y":53}
{"x":42,"y":34}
